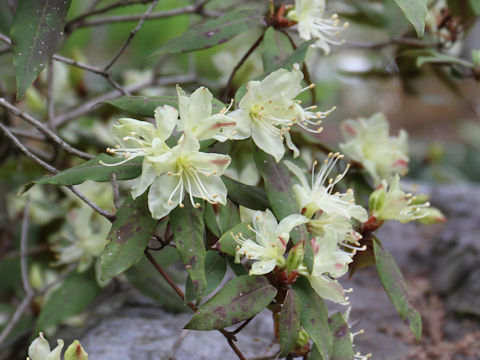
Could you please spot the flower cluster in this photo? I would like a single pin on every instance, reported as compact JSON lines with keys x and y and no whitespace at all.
{"x":39,"y":349}
{"x":266,"y":113}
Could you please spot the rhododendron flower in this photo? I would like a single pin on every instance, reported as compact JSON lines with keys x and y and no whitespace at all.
{"x":389,"y":202}
{"x":312,"y":23}
{"x":270,"y":242}
{"x":196,"y":114}
{"x":368,"y":142}
{"x":268,"y":110}
{"x":39,"y":349}
{"x":330,"y":262}
{"x":319,"y":194}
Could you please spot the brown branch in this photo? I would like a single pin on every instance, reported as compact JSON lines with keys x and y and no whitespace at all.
{"x":23,"y":249}
{"x":50,"y":100}
{"x":49,"y":133}
{"x":131,"y":36}
{"x":228,"y":335}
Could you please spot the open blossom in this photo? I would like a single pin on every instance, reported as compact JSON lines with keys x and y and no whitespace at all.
{"x":268,"y":110}
{"x":171,"y":173}
{"x":39,"y":349}
{"x":312,"y":23}
{"x":270,"y":242}
{"x":196,"y":114}
{"x":389,"y":202}
{"x":329,"y":263}
{"x":367,"y":141}
{"x":319,"y":194}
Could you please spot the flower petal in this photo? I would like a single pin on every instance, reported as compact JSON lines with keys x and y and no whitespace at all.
{"x":262,"y":267}
{"x":160,"y":194}
{"x":145,"y":180}
{"x":268,"y":141}
{"x":39,"y":348}
{"x":166,"y":119}
{"x":57,"y":352}
{"x":288,"y":223}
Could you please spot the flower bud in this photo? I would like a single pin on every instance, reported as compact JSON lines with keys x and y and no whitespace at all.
{"x":75,"y":352}
{"x":431,"y":216}
{"x":377,"y":198}
{"x":295,"y":257}
{"x":476,"y":57}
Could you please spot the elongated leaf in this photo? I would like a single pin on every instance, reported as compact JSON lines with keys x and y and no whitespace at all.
{"x":227,"y":243}
{"x":188,"y":230}
{"x":342,"y":342}
{"x":396,"y":288}
{"x":145,"y":278}
{"x":289,"y":324}
{"x":73,"y":295}
{"x":279,"y":190}
{"x":37,"y":32}
{"x":220,"y":218}
{"x":215,"y":270}
{"x":212,"y":32}
{"x":146,"y":105}
{"x":128,"y":237}
{"x":314,"y":317}
{"x":416,"y":12}
{"x":297,"y":57}
{"x":94,"y":170}
{"x":249,"y":196}
{"x":276,"y":47}
{"x":6,"y":17}
{"x":240,"y":299}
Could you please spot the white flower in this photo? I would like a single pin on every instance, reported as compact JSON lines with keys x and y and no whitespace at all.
{"x":270,"y":242}
{"x":389,"y":202}
{"x":368,"y":142}
{"x":183,"y":169}
{"x":268,"y":110}
{"x":330,"y":262}
{"x":341,"y":227}
{"x":196,"y":114}
{"x":309,"y":14}
{"x":39,"y":349}
{"x":319,"y":195}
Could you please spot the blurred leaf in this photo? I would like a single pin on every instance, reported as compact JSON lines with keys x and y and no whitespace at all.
{"x":396,"y":288}
{"x":220,"y":218}
{"x":416,"y":12}
{"x":215,"y":270}
{"x":276,"y":47}
{"x":365,"y":14}
{"x":289,"y":323}
{"x":128,"y":237}
{"x":475,"y":5}
{"x":212,"y":32}
{"x":144,"y":277}
{"x":6,"y":17}
{"x":363,"y":259}
{"x":314,"y":317}
{"x":279,"y":190}
{"x":227,"y":243}
{"x":297,"y":57}
{"x":342,"y":342}
{"x":73,"y":295}
{"x":252,"y":197}
{"x":188,"y":230}
{"x":238,"y":269}
{"x":94,"y":170}
{"x":146,"y":105}
{"x":433,"y":56}
{"x":37,"y":32}
{"x":240,"y":299}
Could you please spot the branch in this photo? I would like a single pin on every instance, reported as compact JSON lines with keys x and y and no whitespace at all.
{"x":23,"y":249}
{"x":16,"y":316}
{"x":396,"y":41}
{"x":49,"y":133}
{"x":130,"y":36}
{"x":50,"y":100}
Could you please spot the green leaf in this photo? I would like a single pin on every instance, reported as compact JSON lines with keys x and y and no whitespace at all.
{"x":278,"y":186}
{"x":238,"y":269}
{"x":146,"y":105}
{"x":416,"y":12}
{"x":37,"y":32}
{"x":240,"y":299}
{"x":297,"y":57}
{"x":73,"y":295}
{"x":145,"y":278}
{"x":276,"y":47}
{"x":396,"y":288}
{"x":475,"y":5}
{"x":289,"y":323}
{"x":6,"y":17}
{"x":212,"y":32}
{"x":227,"y":243}
{"x":215,"y":270}
{"x":314,"y":317}
{"x":433,"y":56}
{"x":94,"y":170}
{"x":342,"y":343}
{"x":188,"y":230}
{"x":249,"y":196}
{"x":128,"y":237}
{"x":220,"y":218}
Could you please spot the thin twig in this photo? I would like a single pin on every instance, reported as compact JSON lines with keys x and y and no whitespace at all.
{"x":241,"y":327}
{"x":16,"y":316}
{"x":27,"y":134}
{"x":87,"y":106}
{"x":131,"y":35}
{"x":23,"y":248}
{"x":50,"y":100}
{"x":227,"y":91}
{"x":49,"y":133}
{"x":94,"y":206}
